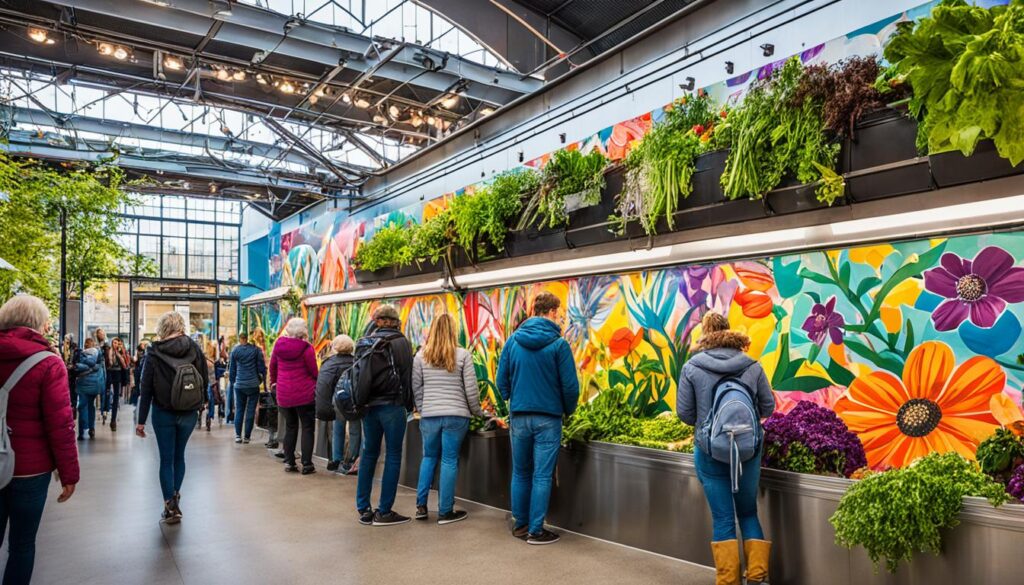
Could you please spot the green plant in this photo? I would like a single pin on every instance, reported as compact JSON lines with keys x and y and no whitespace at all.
{"x":847,"y":90}
{"x":775,"y":135}
{"x":998,"y":453}
{"x":484,"y":217}
{"x":965,"y":64}
{"x":569,"y":172}
{"x":389,"y":246}
{"x":291,"y":302}
{"x":607,"y":415}
{"x":897,"y":513}
{"x":433,"y":239}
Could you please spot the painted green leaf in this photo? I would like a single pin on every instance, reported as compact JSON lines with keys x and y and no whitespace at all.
{"x":803,"y":384}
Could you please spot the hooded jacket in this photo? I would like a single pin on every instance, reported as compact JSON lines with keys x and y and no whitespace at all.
{"x":401,"y":353}
{"x":293,"y":369}
{"x":247,"y":366}
{"x":92,"y":375}
{"x":536,"y":371}
{"x":703,"y":372}
{"x":157,"y":376}
{"x":38,"y":408}
{"x":330,"y":371}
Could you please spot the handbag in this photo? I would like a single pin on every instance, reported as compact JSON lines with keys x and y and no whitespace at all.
{"x":267,"y":415}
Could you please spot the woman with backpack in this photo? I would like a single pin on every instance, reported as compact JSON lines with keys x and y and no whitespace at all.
{"x":331,"y":370}
{"x":174,"y":382}
{"x":447,"y":395}
{"x":91,"y":382}
{"x":719,"y":366}
{"x":293,"y":369}
{"x":42,"y":430}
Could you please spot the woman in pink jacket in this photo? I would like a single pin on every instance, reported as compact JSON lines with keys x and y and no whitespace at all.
{"x":42,"y":430}
{"x":293,"y":369}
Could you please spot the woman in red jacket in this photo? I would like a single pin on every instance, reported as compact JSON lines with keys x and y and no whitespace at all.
{"x":293,"y":368}
{"x":42,"y":430}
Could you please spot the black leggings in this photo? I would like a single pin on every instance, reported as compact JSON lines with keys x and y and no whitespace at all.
{"x":294,"y":416}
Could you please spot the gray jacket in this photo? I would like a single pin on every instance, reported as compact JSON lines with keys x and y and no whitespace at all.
{"x":702,"y":373}
{"x":439,"y":392}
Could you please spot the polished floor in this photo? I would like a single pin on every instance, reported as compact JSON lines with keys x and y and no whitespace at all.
{"x":248,"y":522}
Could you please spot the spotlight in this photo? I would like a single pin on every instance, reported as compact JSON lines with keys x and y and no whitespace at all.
{"x":379,"y":119}
{"x":450,"y":101}
{"x":287,"y":87}
{"x":416,"y":121}
{"x":394,"y":112}
{"x":486,"y":111}
{"x":561,"y":137}
{"x":105,"y":49}
{"x":431,"y":120}
{"x":319,"y":91}
{"x":768,"y":49}
{"x":313,"y":99}
{"x":346,"y":98}
{"x":120,"y":53}
{"x":688,"y":86}
{"x":223,"y":75}
{"x":362,"y":103}
{"x":520,"y":156}
{"x":213,"y":188}
{"x":39,"y":35}
{"x":260,"y":79}
{"x":729,"y":67}
{"x":173,"y":63}
{"x":238,"y":75}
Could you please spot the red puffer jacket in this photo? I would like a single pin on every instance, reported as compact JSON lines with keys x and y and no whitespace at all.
{"x":39,"y":409}
{"x":293,"y":369}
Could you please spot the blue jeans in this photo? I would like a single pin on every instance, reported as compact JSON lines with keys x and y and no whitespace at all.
{"x":338,"y":451}
{"x":442,"y":439}
{"x":172,"y":432}
{"x":385,"y":422}
{"x":21,"y":505}
{"x":726,"y":507}
{"x":245,"y":400}
{"x":229,"y":400}
{"x":211,"y":396}
{"x":112,"y":395}
{"x":536,"y":439}
{"x":86,"y":413}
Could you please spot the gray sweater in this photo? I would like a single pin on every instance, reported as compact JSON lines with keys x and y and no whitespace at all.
{"x":702,"y":373}
{"x":439,"y":392}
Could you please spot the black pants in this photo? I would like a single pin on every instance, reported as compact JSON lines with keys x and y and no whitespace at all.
{"x":294,"y":416}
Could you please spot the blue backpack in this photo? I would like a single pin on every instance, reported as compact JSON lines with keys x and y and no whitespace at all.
{"x":731,"y":433}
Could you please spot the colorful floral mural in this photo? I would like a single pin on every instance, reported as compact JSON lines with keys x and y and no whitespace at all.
{"x":914,"y":345}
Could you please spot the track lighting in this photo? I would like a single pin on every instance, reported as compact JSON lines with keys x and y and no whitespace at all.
{"x":120,"y":53}
{"x":105,"y":49}
{"x":416,"y":120}
{"x":39,"y":35}
{"x":223,"y":75}
{"x":688,"y":86}
{"x":362,"y":103}
{"x":729,"y":67}
{"x":260,"y":79}
{"x":379,"y":119}
{"x":486,"y":111}
{"x":313,"y":99}
{"x":394,"y":112}
{"x":346,"y":98}
{"x":286,"y":87}
{"x":238,"y":75}
{"x":173,"y":63}
{"x":319,"y":91}
{"x":430,"y":120}
{"x":450,"y":101}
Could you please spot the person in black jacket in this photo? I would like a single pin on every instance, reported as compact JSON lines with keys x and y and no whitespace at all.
{"x":247,"y":370}
{"x":330,"y":371}
{"x":171,"y":427}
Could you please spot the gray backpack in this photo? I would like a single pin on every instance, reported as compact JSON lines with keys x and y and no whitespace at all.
{"x":731,"y":433}
{"x":6,"y":451}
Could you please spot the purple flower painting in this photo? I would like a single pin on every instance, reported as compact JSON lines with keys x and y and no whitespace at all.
{"x":978,"y":289}
{"x":824,"y":322}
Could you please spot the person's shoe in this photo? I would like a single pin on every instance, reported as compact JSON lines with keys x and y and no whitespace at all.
{"x":521,"y":532}
{"x":113,"y":426}
{"x":390,"y":519}
{"x":245,"y":441}
{"x":81,"y":437}
{"x":279,"y":454}
{"x":291,"y":468}
{"x":238,"y":440}
{"x":168,"y":516}
{"x":308,"y":470}
{"x":452,"y":517}
{"x":104,"y":421}
{"x":543,"y":537}
{"x":208,"y":424}
{"x":333,"y":465}
{"x":271,"y":444}
{"x":727,"y":562}
{"x":366,"y":517}
{"x":92,"y":433}
{"x":421,"y":513}
{"x":230,"y":421}
{"x":177,"y":504}
{"x":757,"y":553}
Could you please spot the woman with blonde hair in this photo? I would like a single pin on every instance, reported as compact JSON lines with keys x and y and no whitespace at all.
{"x":720,"y":355}
{"x":445,"y":388}
{"x":293,"y":369}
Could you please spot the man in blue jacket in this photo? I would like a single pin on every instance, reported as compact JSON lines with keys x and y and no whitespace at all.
{"x":537,"y":377}
{"x":246,"y":371}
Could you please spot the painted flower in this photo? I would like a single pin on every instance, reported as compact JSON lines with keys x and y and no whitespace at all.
{"x":979,"y":289}
{"x":624,"y":341}
{"x":754,"y":303}
{"x":786,"y":400}
{"x":824,"y":322}
{"x":934,"y":408}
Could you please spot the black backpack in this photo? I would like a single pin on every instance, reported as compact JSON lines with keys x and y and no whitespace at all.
{"x":373,"y":367}
{"x":187,"y":389}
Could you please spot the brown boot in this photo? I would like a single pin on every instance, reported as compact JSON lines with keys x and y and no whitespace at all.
{"x":727,"y":562}
{"x":757,"y":553}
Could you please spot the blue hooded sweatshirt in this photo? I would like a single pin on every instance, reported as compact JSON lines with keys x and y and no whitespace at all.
{"x":247,"y":366}
{"x":536,"y":372}
{"x":92,"y":376}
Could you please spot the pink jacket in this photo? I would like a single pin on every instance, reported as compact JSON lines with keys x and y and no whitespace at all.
{"x":39,"y":409}
{"x":293,"y":369}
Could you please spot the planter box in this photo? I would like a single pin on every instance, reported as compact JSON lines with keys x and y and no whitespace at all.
{"x":534,"y":241}
{"x":883,"y":157}
{"x":792,"y":197}
{"x":953,"y":168}
{"x":392,"y":272}
{"x":589,"y":225}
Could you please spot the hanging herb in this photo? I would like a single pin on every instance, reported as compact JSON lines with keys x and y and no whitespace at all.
{"x":504,"y":203}
{"x":965,"y":64}
{"x":433,"y":239}
{"x":846,"y":91}
{"x":389,"y":246}
{"x":569,"y":172}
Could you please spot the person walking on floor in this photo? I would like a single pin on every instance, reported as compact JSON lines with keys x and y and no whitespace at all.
{"x":215,"y":400}
{"x":91,"y":382}
{"x":720,"y":356}
{"x":42,"y":429}
{"x":174,"y":379}
{"x":331,"y":370}
{"x":224,"y":356}
{"x":537,"y":378}
{"x":137,"y":363}
{"x":447,"y":395}
{"x":246,"y":373}
{"x":293,"y":369}
{"x":104,"y":347}
{"x":117,"y":371}
{"x":389,"y":402}
{"x":70,"y":353}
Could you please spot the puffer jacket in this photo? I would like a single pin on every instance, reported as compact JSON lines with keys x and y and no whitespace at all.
{"x":293,"y":369}
{"x":247,"y":367}
{"x":92,"y":374}
{"x":439,"y":392}
{"x":724,"y":358}
{"x":330,"y":371}
{"x":39,"y":409}
{"x":536,"y":371}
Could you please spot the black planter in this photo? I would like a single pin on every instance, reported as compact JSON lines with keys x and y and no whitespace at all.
{"x":368,"y":276}
{"x":534,"y":241}
{"x":415,"y":269}
{"x":953,"y":168}
{"x":792,"y":197}
{"x":590,"y":225}
{"x":882,"y":140}
{"x":707,"y":205}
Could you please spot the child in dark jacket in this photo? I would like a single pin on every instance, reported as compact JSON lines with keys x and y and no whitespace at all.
{"x":330,"y":371}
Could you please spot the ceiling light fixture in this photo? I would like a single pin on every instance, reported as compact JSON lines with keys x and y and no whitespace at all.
{"x":431,"y":120}
{"x":362,"y":103}
{"x":313,"y":99}
{"x":416,"y":120}
{"x":105,"y":49}
{"x":450,"y":102}
{"x":486,"y":111}
{"x":394,"y":112}
{"x":287,"y":87}
{"x":346,"y":98}
{"x":379,"y":119}
{"x":260,"y":79}
{"x":173,"y":63}
{"x":39,"y":35}
{"x":120,"y":53}
{"x":223,"y":75}
{"x":238,"y":75}
{"x":319,"y":91}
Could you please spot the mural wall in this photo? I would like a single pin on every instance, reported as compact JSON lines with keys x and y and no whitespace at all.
{"x":914,"y":345}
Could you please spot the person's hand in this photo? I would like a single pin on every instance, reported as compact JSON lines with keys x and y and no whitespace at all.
{"x":66,"y":493}
{"x":140,"y":430}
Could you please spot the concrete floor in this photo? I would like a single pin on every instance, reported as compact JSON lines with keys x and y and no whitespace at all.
{"x":246,"y":521}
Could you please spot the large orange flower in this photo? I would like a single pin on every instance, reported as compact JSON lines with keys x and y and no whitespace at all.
{"x":932,"y":409}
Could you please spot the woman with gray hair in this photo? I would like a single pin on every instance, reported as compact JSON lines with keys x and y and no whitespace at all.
{"x":174,"y":380}
{"x":42,"y":430}
{"x":293,"y":369}
{"x":342,"y":348}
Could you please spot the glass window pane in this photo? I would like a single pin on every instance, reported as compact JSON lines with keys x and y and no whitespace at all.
{"x":174,"y":228}
{"x":150,"y":246}
{"x":174,"y":258}
{"x":149,"y":226}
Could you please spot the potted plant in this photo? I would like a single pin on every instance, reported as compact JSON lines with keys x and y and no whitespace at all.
{"x":391,"y":253}
{"x":481,"y":220}
{"x":593,"y":224}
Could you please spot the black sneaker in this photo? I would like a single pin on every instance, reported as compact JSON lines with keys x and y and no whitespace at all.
{"x":291,"y":468}
{"x":543,"y":537}
{"x":390,"y":519}
{"x":92,"y":433}
{"x":245,"y":441}
{"x":271,"y":444}
{"x":366,"y":517}
{"x":333,"y":465}
{"x":169,"y":516}
{"x":177,"y":504}
{"x":421,"y":513}
{"x":308,"y":470}
{"x":279,"y":454}
{"x":521,"y":532}
{"x":452,"y":517}
{"x":238,"y":440}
